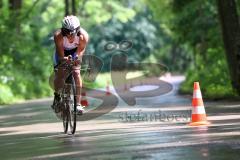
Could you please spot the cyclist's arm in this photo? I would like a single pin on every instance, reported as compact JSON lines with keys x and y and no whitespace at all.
{"x":83,"y":40}
{"x":58,"y":39}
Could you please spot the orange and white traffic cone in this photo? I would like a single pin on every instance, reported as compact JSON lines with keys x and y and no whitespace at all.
{"x":84,"y":101}
{"x":108,"y":89}
{"x":198,"y":111}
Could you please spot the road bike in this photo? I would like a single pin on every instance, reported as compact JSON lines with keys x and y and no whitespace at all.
{"x":68,"y":103}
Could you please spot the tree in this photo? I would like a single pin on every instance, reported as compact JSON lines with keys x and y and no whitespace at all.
{"x":231,"y":36}
{"x":70,"y":8}
{"x":140,"y":30}
{"x":66,"y":7}
{"x":15,"y":4}
{"x":195,"y":26}
{"x":15,"y":7}
{"x":73,"y":7}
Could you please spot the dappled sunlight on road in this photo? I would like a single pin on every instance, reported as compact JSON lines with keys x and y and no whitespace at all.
{"x":126,"y":131}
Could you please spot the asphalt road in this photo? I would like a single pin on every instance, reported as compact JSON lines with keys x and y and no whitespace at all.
{"x":154,"y":128}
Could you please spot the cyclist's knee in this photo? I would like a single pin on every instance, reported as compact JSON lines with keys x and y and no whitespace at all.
{"x":76,"y":73}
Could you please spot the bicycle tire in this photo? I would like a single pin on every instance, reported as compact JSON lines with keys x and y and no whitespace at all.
{"x":73,"y":110}
{"x":65,"y":116}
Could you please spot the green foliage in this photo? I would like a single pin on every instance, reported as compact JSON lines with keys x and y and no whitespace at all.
{"x":140,"y":30}
{"x":183,"y":35}
{"x":177,"y":57}
{"x":101,"y":11}
{"x":6,"y":95}
{"x":193,"y":26}
{"x":25,"y":52}
{"x":96,"y":12}
{"x":213,"y":77}
{"x":197,"y":25}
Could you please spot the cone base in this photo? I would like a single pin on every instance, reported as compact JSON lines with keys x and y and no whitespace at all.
{"x":84,"y":103}
{"x":201,"y":123}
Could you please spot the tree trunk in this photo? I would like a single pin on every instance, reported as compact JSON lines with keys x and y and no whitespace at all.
{"x":231,"y":37}
{"x":15,"y":7}
{"x":15,"y":4}
{"x":1,"y":4}
{"x":70,"y":7}
{"x":73,"y":7}
{"x":66,"y":7}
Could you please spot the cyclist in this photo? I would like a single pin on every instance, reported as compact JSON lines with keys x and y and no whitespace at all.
{"x":72,"y":40}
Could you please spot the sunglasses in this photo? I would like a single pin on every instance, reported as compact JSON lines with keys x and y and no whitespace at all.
{"x":67,"y":32}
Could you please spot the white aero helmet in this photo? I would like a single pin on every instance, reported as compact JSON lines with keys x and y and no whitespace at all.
{"x":71,"y":23}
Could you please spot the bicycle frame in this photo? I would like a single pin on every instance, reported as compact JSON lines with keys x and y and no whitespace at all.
{"x":69,"y":99}
{"x":69,"y":112}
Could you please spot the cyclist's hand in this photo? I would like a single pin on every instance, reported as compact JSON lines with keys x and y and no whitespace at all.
{"x":78,"y":60}
{"x":63,"y":60}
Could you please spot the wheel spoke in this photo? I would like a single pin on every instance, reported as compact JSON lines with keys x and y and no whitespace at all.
{"x":69,"y":113}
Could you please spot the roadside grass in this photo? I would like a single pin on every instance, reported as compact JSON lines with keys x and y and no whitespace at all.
{"x":104,"y":78}
{"x":211,"y":91}
{"x":8,"y":97}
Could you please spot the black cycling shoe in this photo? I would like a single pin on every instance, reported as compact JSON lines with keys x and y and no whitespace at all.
{"x":56,"y":102}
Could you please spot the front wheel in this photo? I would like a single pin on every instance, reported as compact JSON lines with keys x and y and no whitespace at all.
{"x":73,"y":107}
{"x":65,"y":117}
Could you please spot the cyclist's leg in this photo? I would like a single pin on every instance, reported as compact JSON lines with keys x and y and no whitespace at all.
{"x":78,"y":80}
{"x":59,"y":76}
{"x":55,"y":80}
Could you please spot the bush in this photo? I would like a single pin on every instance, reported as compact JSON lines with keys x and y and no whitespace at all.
{"x":6,"y":95}
{"x":212,"y":74}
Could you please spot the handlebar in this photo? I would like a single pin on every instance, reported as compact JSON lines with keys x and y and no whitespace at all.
{"x":69,"y":63}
